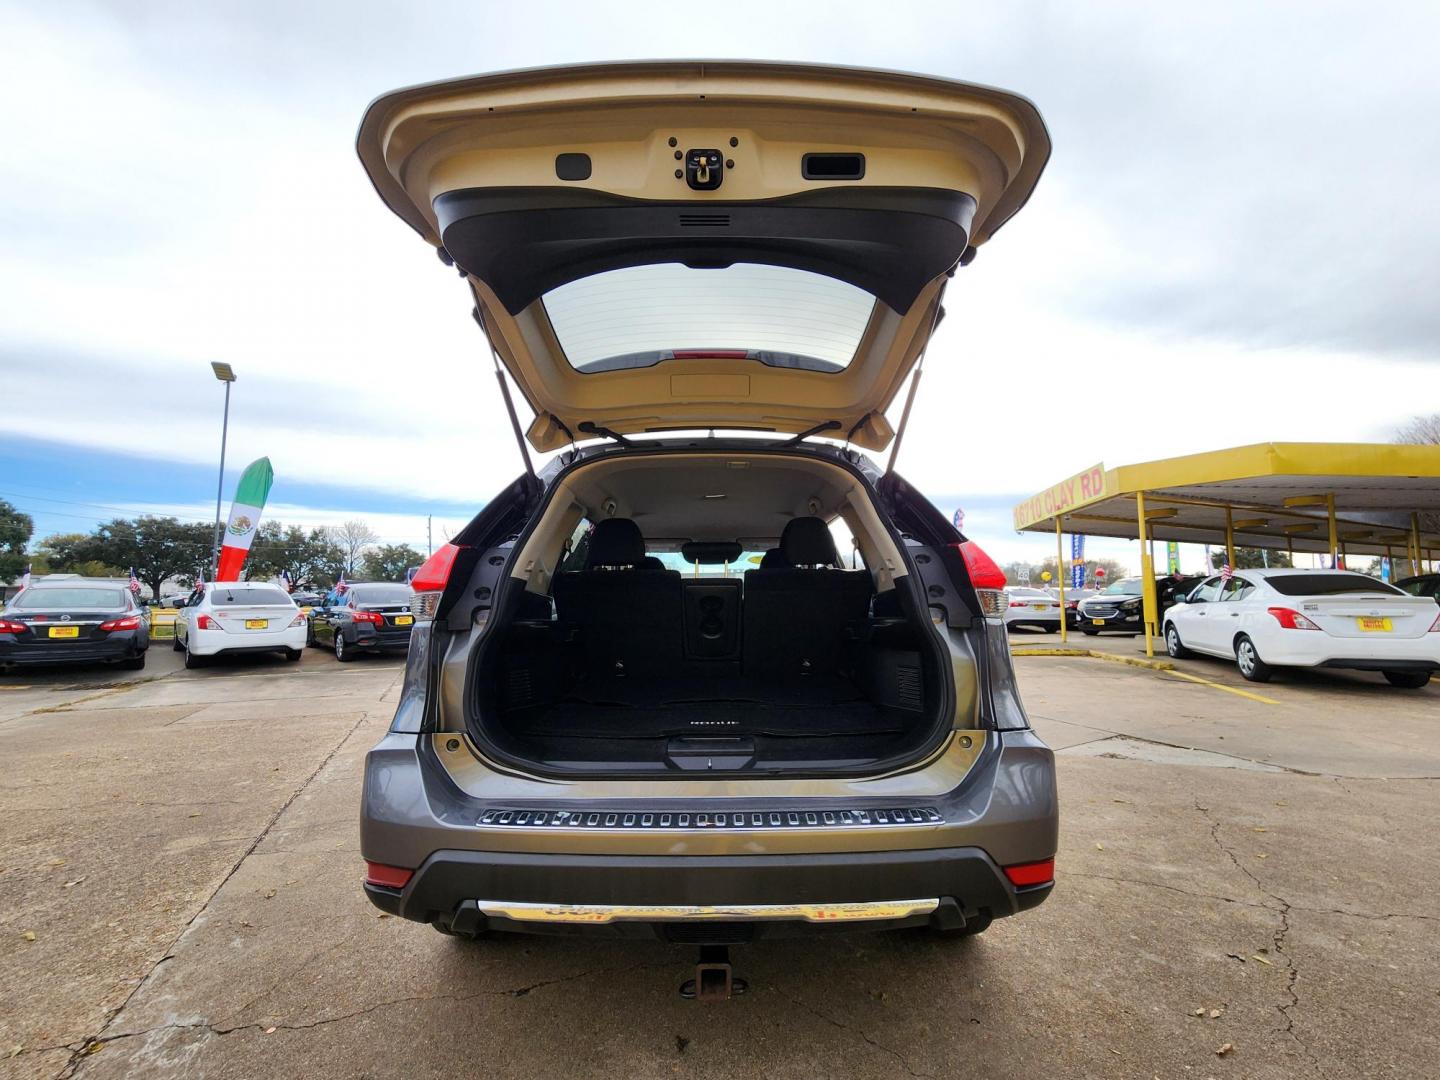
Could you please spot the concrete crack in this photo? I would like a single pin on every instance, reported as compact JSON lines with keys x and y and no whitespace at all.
{"x":87,"y":1045}
{"x":1173,"y":888}
{"x":1278,"y":939}
{"x":904,"y":1064}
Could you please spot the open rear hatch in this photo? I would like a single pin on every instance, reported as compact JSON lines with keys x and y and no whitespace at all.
{"x":682,"y":244}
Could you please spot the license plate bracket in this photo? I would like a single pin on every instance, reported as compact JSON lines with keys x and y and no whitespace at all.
{"x":64,"y":632}
{"x":404,"y":620}
{"x":1374,"y":624}
{"x":257,"y":624}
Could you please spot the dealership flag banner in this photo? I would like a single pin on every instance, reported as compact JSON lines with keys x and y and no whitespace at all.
{"x":250,"y":496}
{"x":1172,"y":557}
{"x":1077,"y":561}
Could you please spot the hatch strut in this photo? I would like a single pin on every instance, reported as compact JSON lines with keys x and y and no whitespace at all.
{"x":828,"y":425}
{"x":505,"y":393}
{"x":915,"y":382}
{"x":589,"y":427}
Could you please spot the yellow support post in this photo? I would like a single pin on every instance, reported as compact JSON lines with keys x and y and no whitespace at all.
{"x":1230,"y":538}
{"x":1334,"y":529}
{"x":1060,"y":575}
{"x":1147,"y":576}
{"x":1415,"y":538}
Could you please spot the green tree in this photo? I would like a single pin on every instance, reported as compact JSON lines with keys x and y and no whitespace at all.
{"x":308,"y":558}
{"x":1250,"y":558}
{"x":388,"y":562}
{"x":157,"y":547}
{"x":16,"y":529}
{"x":70,"y":553}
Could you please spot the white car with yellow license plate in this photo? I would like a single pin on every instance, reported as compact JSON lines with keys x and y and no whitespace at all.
{"x":1031,"y":607}
{"x":238,"y":616}
{"x":1264,"y":619}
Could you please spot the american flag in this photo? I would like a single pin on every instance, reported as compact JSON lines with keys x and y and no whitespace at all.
{"x":25,"y":579}
{"x":134,"y":582}
{"x":285,"y":581}
{"x":1226,"y":572}
{"x":340,"y":587}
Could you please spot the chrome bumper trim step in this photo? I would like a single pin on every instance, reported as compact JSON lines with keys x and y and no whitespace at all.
{"x":594,"y":914}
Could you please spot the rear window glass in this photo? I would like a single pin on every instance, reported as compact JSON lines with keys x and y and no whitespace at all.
{"x":1329,"y":585}
{"x":643,"y":315}
{"x":36,"y":599}
{"x":244,"y":597}
{"x":380,"y":594}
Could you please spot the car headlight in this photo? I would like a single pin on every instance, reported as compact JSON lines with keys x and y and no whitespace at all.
{"x":1131,"y":605}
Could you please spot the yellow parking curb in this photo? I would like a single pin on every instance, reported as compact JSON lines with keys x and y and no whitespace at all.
{"x":1133,"y":661}
{"x":1164,"y":666}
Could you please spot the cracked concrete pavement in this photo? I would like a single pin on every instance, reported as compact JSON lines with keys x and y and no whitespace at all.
{"x":184,"y":852}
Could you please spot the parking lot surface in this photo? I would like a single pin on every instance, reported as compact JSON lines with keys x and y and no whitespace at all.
{"x":1245,"y":889}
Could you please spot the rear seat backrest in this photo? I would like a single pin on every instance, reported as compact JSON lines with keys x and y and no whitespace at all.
{"x":627,"y":612}
{"x":795,"y":617}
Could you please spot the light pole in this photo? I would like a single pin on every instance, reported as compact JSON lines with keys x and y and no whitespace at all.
{"x":226,"y":374}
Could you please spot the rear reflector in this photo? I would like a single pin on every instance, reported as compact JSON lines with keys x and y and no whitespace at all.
{"x":1031,"y":873}
{"x":391,"y":877}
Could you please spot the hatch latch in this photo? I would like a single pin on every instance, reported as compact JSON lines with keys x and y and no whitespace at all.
{"x":703,"y":169}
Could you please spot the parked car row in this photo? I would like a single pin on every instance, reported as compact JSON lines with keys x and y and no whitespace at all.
{"x":87,"y":621}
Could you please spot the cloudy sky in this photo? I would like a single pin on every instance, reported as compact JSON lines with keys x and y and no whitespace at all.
{"x":1237,"y":240}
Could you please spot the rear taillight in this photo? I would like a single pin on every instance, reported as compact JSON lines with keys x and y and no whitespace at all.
{"x":125,"y":622}
{"x":205,"y":622}
{"x":374,"y":618}
{"x":298,"y":620}
{"x":430,"y":580}
{"x":986,"y":578}
{"x":8,"y":627}
{"x":1291,"y":619}
{"x":1017,"y":603}
{"x":1435,"y":626}
{"x":391,"y":877}
{"x":1031,"y":873}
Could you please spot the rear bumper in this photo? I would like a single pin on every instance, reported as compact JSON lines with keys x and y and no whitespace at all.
{"x":470,"y":889}
{"x":651,"y":844}
{"x":213,"y":642}
{"x":119,"y":645}
{"x":1283,"y":648}
{"x":385,"y":639}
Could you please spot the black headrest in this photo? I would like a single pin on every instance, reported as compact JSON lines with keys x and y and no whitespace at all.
{"x":615,"y":542}
{"x":806,"y":541}
{"x":773,"y":560}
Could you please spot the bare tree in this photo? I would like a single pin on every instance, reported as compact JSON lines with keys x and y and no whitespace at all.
{"x":1424,"y":430}
{"x":353,"y":538}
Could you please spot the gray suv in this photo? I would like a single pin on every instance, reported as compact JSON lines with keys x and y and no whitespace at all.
{"x":703,"y":675}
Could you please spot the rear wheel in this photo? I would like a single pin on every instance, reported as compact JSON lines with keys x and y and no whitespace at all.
{"x":135,"y":663}
{"x":1173,"y":644}
{"x":1089,"y":631}
{"x":342,"y":654}
{"x":293,"y":654}
{"x":192,"y":661}
{"x":1407,"y":680}
{"x":1051,"y":629}
{"x":175,"y":644}
{"x":1247,"y":659}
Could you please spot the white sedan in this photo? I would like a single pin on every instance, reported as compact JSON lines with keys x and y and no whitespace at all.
{"x":239,"y":616}
{"x":1264,"y":619}
{"x":1032,"y":607}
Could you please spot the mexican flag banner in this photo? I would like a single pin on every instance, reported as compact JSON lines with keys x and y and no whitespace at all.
{"x":250,"y":496}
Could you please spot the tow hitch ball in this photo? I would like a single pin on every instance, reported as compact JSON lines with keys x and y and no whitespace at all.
{"x":714,"y":980}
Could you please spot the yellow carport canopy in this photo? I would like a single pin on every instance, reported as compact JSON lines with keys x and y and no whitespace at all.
{"x":1333,"y":498}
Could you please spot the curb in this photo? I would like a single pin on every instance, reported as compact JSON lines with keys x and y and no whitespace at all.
{"x":1094,"y":654}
